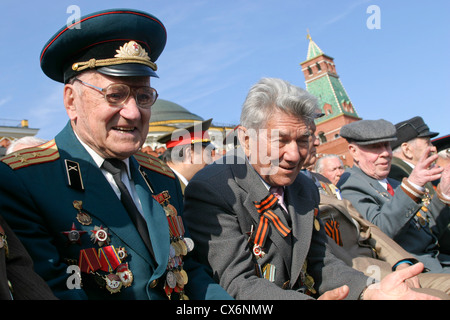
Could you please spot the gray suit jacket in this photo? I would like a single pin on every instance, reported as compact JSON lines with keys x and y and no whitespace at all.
{"x":394,"y":215}
{"x":220,"y":213}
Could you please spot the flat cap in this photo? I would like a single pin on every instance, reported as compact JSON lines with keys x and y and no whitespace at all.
{"x":197,"y":133}
{"x":116,"y":42}
{"x":411,"y":129}
{"x":366,"y":132}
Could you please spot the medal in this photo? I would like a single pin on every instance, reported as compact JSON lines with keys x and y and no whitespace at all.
{"x":258,"y":252}
{"x":182,"y":246}
{"x":316,"y":220}
{"x":100,"y":236}
{"x":125,"y":274}
{"x":316,"y":224}
{"x":170,"y":210}
{"x":73,"y":235}
{"x":171,"y":251}
{"x":82,"y":216}
{"x":171,"y":279}
{"x":113,"y":283}
{"x":189,"y":244}
{"x":109,"y":258}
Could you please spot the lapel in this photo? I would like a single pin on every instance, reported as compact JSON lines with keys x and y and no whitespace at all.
{"x":301,"y":210}
{"x":380,"y":192}
{"x":98,"y":197}
{"x":249,"y":180}
{"x":155,"y":216}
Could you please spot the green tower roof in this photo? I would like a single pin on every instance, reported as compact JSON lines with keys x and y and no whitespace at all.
{"x":313,"y":49}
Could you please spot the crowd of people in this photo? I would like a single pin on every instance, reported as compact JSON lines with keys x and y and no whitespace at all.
{"x":88,"y":215}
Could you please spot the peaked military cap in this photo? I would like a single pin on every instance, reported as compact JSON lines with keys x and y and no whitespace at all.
{"x":441,"y":143}
{"x":197,"y":133}
{"x":117,"y":42}
{"x":366,"y":132}
{"x":411,"y":129}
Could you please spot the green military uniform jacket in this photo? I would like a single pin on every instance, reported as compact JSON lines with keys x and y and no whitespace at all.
{"x":57,"y":201}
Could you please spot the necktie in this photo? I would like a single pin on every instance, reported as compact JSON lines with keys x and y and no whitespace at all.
{"x":279,"y":192}
{"x":115,"y":167}
{"x":390,"y":189}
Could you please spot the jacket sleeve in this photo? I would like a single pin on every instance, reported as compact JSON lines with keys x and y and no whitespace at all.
{"x":391,"y":215}
{"x":22,"y":215}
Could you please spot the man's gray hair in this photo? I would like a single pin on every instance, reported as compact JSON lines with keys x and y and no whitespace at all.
{"x":319,"y":164}
{"x":24,"y":142}
{"x":269,"y":93}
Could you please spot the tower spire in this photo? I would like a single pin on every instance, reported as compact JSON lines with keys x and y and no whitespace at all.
{"x":322,"y":81}
{"x":313,"y":48}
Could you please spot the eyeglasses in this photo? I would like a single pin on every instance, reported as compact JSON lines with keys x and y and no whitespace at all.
{"x":117,"y":93}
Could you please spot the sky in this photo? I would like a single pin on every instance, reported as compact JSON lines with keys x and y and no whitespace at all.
{"x":393,"y":62}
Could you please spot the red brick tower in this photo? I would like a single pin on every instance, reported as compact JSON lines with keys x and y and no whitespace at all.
{"x":323,"y":81}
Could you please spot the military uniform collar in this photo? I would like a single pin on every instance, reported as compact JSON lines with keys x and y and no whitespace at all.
{"x":99,"y":159}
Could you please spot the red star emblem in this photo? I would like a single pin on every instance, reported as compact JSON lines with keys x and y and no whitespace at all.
{"x":74,"y":235}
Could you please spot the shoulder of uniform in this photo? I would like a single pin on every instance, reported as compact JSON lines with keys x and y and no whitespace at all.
{"x":46,"y":152}
{"x":153,"y":163}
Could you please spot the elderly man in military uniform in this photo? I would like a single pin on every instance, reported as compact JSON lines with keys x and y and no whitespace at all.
{"x":396,"y":207}
{"x":100,"y":219}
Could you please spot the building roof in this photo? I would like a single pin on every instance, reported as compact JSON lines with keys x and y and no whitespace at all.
{"x":164,"y":111}
{"x":313,"y":49}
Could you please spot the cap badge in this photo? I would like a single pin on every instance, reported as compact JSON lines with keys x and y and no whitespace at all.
{"x":130,"y":50}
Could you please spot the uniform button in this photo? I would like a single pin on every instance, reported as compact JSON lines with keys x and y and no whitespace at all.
{"x":153,"y":284}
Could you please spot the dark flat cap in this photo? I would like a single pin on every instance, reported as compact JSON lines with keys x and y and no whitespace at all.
{"x":411,"y":129}
{"x":116,"y":42}
{"x":366,"y":132}
{"x":197,"y":133}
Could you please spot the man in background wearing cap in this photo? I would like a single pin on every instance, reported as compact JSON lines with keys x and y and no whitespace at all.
{"x":100,"y":219}
{"x":442,"y":145}
{"x":413,"y":139}
{"x":392,"y":205}
{"x":188,"y":151}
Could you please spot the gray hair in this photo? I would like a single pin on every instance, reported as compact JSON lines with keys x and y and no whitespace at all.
{"x":270,"y":95}
{"x":319,"y":166}
{"x":24,"y":142}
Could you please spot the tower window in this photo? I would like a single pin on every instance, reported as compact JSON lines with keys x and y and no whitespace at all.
{"x":310,"y":71}
{"x":318,"y":67}
{"x":322,"y":137}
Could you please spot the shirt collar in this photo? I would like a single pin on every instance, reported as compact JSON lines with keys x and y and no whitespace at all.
{"x":99,"y":159}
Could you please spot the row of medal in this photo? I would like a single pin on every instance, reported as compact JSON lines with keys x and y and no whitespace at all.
{"x":176,"y":276}
{"x":106,"y":258}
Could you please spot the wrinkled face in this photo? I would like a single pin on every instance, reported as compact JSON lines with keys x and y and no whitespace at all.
{"x":332,"y":169}
{"x":418,"y":147}
{"x":278,"y":152}
{"x":314,"y":142}
{"x":111,"y":131}
{"x":374,"y":159}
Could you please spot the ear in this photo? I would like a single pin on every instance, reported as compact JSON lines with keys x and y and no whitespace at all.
{"x":70,"y":95}
{"x":407,"y":150}
{"x":353,"y":151}
{"x":244,"y":139}
{"x":188,"y":156}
